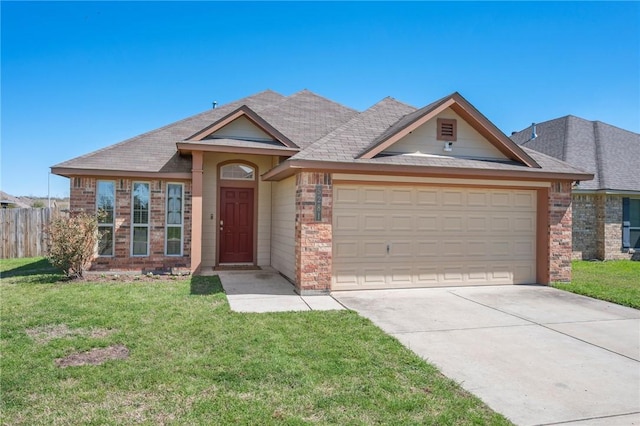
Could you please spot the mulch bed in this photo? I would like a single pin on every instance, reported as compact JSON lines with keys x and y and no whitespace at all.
{"x":129,"y":277}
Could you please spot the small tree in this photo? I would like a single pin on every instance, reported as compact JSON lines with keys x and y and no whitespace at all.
{"x":72,"y":242}
{"x":38,"y":204}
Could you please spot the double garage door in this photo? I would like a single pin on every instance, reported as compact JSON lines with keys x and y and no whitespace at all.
{"x":418,"y":236}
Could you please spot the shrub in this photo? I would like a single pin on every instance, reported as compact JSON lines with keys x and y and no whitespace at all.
{"x":72,"y":242}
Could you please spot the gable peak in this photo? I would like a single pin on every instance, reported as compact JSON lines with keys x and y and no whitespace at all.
{"x":462,"y":108}
{"x":246,"y":112}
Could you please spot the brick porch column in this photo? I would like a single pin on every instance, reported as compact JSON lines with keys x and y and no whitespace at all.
{"x":314,"y":209}
{"x":560,"y":221}
{"x":196,"y":211}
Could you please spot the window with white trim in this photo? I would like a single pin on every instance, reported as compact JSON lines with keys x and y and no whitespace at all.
{"x":140,"y":219}
{"x":174,"y":225}
{"x":237,"y":172}
{"x":105,"y":205}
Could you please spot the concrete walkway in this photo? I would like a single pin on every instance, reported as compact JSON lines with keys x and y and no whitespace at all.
{"x":538,"y":355}
{"x":267,"y":291}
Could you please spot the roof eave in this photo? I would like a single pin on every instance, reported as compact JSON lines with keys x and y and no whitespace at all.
{"x":606,"y":191}
{"x":291,"y":167}
{"x":74,"y":172}
{"x":189,"y":147}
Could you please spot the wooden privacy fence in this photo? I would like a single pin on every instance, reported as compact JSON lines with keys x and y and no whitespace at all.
{"x":23,"y":231}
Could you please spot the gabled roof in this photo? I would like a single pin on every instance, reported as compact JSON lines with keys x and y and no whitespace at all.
{"x":463,"y":108}
{"x":299,"y":119}
{"x":608,"y":152}
{"x":243,"y":111}
{"x":315,"y":132}
{"x":155,"y":151}
{"x":341,"y":150}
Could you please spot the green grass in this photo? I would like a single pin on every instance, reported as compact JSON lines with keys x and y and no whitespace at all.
{"x":614,"y":281}
{"x":193,"y":361}
{"x":34,"y":270}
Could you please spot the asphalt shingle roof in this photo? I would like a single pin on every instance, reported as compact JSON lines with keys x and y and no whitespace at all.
{"x":303,"y":117}
{"x":156,"y":151}
{"x":403,"y":122}
{"x":362,"y":131}
{"x":346,"y":142}
{"x":324,"y":131}
{"x":610,"y":153}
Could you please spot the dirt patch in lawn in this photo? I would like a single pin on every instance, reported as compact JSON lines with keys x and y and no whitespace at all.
{"x":95,"y":356}
{"x":45,"y":333}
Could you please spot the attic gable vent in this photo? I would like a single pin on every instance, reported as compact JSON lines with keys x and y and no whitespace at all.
{"x":447,"y":129}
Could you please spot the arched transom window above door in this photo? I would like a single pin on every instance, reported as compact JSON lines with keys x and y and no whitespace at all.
{"x":237,"y":171}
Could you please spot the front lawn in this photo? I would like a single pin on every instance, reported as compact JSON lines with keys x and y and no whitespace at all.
{"x":615,"y":281}
{"x":180,"y":356}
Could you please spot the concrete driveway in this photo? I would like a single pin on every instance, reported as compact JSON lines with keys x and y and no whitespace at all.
{"x":538,"y":355}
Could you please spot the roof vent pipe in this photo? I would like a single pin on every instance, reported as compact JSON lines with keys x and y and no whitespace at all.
{"x":533,"y":131}
{"x":215,"y":104}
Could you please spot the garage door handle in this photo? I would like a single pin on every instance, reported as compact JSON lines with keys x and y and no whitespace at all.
{"x":388,"y":248}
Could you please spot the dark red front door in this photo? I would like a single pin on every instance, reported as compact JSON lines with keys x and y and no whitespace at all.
{"x":236,"y":229}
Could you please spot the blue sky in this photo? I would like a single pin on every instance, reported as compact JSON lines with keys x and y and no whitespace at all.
{"x":79,"y":76}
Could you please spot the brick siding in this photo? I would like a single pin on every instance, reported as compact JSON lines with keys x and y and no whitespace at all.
{"x":611,"y":225}
{"x":83,"y":197}
{"x":597,"y":227}
{"x":560,"y":244}
{"x":313,"y":238}
{"x":584,"y":227}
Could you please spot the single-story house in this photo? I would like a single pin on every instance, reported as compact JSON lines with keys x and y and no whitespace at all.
{"x":606,"y":210}
{"x":10,"y":202}
{"x":331,"y":197}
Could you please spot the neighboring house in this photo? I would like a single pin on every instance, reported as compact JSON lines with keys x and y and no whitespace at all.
{"x":8,"y":201}
{"x":606,"y":210}
{"x":333,"y":198}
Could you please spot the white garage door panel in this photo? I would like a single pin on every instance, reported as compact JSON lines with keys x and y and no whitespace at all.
{"x":368,"y":276}
{"x":387,"y":237}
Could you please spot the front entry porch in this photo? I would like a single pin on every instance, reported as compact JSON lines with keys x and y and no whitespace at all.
{"x":235,"y":213}
{"x":267,"y":291}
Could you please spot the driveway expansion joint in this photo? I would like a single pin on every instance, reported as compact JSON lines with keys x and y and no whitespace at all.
{"x":544,"y":325}
{"x":589,"y":321}
{"x":341,"y":304}
{"x":488,"y":327}
{"x":569,"y":422}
